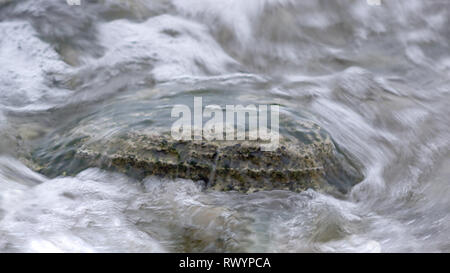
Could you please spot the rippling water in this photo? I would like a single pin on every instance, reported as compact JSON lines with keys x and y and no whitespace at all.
{"x":377,"y":78}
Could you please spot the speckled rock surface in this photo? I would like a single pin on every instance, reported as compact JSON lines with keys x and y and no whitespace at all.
{"x":309,"y":161}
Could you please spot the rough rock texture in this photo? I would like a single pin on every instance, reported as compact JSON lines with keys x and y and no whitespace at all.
{"x":296,"y":165}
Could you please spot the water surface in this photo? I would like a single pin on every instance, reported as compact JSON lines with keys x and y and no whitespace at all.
{"x":377,"y":78}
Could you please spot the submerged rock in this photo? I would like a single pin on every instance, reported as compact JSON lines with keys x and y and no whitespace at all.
{"x":309,"y":161}
{"x":130,"y":133}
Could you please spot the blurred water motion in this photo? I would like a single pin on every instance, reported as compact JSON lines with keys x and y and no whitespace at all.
{"x":377,"y":77}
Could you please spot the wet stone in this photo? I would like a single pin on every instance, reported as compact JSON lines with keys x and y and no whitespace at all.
{"x":242,"y":166}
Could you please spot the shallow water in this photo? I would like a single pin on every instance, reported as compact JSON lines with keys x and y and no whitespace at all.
{"x":377,"y":78}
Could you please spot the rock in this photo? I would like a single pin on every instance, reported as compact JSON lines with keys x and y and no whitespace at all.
{"x":130,"y":133}
{"x":310,"y":161}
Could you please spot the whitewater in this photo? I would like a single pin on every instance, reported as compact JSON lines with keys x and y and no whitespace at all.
{"x":376,"y":77}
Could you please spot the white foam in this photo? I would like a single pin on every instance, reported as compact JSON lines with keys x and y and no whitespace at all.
{"x":172,"y":46}
{"x":26,"y":65}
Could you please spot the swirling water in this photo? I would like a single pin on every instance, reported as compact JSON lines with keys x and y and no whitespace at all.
{"x":376,"y":77}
